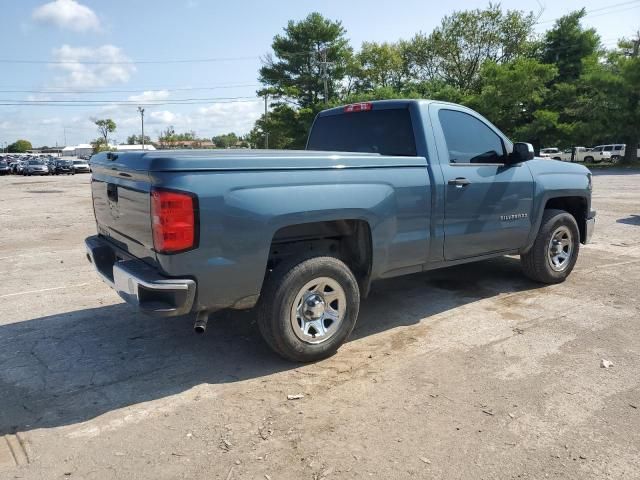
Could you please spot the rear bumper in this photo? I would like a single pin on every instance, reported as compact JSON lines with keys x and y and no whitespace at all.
{"x":138,"y":283}
{"x":590,"y":227}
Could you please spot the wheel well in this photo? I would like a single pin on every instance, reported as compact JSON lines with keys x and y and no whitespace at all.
{"x":576,"y":206}
{"x":348,"y":240}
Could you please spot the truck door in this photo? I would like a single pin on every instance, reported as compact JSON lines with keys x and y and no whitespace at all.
{"x":487,"y":204}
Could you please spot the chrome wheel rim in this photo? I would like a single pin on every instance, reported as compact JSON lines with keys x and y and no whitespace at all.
{"x":560,"y":249}
{"x":318,"y":310}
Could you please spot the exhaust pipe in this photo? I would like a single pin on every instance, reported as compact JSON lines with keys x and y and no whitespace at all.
{"x":200,"y":326}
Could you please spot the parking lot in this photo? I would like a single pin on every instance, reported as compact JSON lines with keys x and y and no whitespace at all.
{"x":466,"y":373}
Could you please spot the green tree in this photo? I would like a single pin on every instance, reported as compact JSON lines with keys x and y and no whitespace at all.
{"x":568,"y":44}
{"x":167,"y":137}
{"x":615,"y":85}
{"x":137,"y":140}
{"x":226,"y":140}
{"x":307,"y":52}
{"x":378,"y":65}
{"x":100,"y":145}
{"x":513,"y":96}
{"x":105,"y":127}
{"x":287,"y":127}
{"x":456,"y":50}
{"x":20,"y":146}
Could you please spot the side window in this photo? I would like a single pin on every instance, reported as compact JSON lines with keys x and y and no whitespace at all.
{"x":469,"y":140}
{"x":617,"y":147}
{"x":608,"y":148}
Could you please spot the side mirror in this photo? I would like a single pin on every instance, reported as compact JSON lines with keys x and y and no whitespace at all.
{"x":522,"y":152}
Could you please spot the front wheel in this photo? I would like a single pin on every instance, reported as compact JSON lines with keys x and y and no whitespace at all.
{"x":555,"y":250}
{"x":308,"y":307}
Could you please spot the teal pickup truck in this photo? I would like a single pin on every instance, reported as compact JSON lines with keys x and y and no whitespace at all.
{"x":383,"y":189}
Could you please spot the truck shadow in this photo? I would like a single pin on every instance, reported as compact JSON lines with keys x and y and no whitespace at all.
{"x":630,"y":220}
{"x":69,"y":368}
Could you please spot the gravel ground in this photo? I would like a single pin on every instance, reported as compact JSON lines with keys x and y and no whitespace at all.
{"x":467,"y":373}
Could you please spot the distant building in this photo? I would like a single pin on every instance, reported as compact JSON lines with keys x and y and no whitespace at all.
{"x":77,"y":150}
{"x":69,"y":151}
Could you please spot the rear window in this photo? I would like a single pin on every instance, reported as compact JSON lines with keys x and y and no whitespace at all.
{"x":387,"y":132}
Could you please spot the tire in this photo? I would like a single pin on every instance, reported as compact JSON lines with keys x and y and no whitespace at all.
{"x":540,"y":264}
{"x":589,"y":159}
{"x":294,"y":334}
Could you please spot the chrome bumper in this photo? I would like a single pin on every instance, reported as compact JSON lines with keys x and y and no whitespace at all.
{"x":138,"y":283}
{"x":590,"y":227}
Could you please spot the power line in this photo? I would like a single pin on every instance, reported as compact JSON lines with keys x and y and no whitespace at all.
{"x":148,"y":62}
{"x":129,"y":62}
{"x":125,"y":103}
{"x":601,"y":9}
{"x":139,"y":90}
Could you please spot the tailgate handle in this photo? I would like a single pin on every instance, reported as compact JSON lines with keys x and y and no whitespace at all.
{"x":112,"y":192}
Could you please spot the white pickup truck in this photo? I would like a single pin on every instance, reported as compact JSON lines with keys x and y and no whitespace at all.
{"x":583,"y":154}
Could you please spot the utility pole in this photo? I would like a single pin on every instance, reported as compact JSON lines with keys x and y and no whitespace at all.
{"x":141,"y":110}
{"x":65,"y":135}
{"x":325,"y":74}
{"x":266,"y":113}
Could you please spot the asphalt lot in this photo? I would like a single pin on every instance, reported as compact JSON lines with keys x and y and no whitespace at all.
{"x":467,"y":373}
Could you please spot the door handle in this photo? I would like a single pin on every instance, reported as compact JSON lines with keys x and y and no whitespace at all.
{"x":459,"y":182}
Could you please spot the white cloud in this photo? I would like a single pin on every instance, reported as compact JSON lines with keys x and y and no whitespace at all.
{"x":67,"y":14}
{"x":150,"y":96}
{"x":115,"y":66}
{"x":164,"y":117}
{"x":236,"y":117}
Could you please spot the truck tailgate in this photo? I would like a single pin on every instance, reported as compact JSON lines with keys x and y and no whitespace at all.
{"x":122,"y":203}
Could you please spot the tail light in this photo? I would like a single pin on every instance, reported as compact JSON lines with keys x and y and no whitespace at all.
{"x":174,"y":221}
{"x":358,"y":107}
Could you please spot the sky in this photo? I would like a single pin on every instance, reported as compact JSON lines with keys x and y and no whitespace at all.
{"x":143,"y":43}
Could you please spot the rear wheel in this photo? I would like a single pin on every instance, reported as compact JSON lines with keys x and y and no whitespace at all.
{"x":308,"y":308}
{"x":588,"y":159}
{"x":555,"y":250}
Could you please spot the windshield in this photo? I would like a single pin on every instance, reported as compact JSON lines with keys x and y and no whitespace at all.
{"x":387,"y":132}
{"x":79,"y":162}
{"x":64,"y":162}
{"x":35,"y":162}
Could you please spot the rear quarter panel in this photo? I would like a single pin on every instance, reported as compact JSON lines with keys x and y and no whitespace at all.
{"x":240,"y":211}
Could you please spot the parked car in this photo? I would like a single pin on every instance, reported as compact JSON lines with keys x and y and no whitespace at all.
{"x":81,"y":166}
{"x":584,"y":154}
{"x":600,"y":153}
{"x":35,"y":167}
{"x":577,"y":154}
{"x":302,"y":234}
{"x":64,"y":167}
{"x":616,"y":150}
{"x":552,"y":152}
{"x":4,"y":167}
{"x":51,"y":165}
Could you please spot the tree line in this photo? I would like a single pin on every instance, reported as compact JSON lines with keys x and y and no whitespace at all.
{"x":561,"y":88}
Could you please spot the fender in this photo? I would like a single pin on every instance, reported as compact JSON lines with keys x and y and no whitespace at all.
{"x":556,"y":180}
